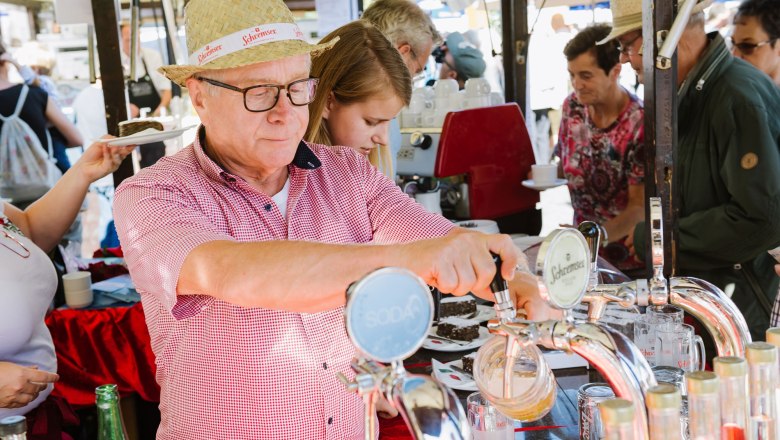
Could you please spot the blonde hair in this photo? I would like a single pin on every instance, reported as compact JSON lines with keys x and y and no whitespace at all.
{"x":362,"y":65}
{"x":402,"y":21}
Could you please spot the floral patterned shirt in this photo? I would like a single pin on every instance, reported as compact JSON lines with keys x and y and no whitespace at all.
{"x":600,"y":163}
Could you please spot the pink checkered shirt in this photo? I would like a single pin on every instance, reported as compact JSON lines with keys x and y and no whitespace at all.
{"x":229,"y":372}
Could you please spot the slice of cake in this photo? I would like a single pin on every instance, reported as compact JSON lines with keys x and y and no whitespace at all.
{"x":457,"y":306}
{"x":468,"y":362}
{"x":458,"y":328}
{"x":126,"y":128}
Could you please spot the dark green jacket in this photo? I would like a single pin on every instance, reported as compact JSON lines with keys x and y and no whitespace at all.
{"x":728,"y":172}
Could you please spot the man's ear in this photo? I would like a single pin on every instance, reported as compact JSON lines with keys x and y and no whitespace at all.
{"x":197,"y":94}
{"x":329,"y":103}
{"x":404,"y":48}
{"x":452,"y":74}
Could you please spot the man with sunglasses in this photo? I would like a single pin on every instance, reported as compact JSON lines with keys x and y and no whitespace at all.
{"x":727,"y":164}
{"x":756,"y":37}
{"x":459,"y":59}
{"x":242,"y":245}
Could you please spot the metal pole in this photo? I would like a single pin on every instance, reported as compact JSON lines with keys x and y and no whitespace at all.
{"x":660,"y":128}
{"x":106,"y":17}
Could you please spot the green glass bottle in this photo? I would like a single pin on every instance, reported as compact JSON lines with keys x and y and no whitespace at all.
{"x":110,"y":424}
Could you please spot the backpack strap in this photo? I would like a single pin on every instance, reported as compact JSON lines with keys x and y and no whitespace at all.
{"x":19,"y":104}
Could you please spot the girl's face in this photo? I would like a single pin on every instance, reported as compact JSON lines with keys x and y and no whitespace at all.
{"x":361,"y":125}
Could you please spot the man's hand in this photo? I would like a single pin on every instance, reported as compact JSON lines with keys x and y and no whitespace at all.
{"x":21,"y":385}
{"x":461,"y":261}
{"x":525,"y":294}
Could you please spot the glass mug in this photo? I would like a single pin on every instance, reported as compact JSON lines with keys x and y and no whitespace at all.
{"x":487,"y":423}
{"x":662,"y":312}
{"x":533,"y":385}
{"x":645,"y":334}
{"x":588,"y":398}
{"x":677,"y":345}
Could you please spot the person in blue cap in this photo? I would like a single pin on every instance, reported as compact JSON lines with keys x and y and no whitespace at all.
{"x":459,"y":59}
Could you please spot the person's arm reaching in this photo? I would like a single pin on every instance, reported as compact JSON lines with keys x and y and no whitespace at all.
{"x":46,"y":220}
{"x":310,"y":277}
{"x":59,"y":120}
{"x":623,"y":224}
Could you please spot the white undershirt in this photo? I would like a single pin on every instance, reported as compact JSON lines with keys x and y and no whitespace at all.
{"x":280,"y":198}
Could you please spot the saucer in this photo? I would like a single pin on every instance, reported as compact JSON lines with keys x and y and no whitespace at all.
{"x":542,"y":186}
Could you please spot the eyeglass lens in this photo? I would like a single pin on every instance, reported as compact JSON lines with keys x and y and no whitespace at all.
{"x":748,"y":48}
{"x":262,"y":98}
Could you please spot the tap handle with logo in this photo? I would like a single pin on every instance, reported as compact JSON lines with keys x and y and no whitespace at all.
{"x":505,"y":308}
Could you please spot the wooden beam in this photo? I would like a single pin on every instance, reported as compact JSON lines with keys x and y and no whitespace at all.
{"x":660,"y":129}
{"x":514,"y":24}
{"x":106,"y":18}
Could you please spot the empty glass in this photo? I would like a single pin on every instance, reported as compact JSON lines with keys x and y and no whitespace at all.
{"x":645,"y":334}
{"x":487,"y":423}
{"x":677,"y":345}
{"x":588,"y":398}
{"x":660,"y":313}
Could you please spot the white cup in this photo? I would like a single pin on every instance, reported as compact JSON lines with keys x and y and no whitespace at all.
{"x":544,"y":173}
{"x":477,"y":87}
{"x":78,"y":289}
{"x":431,"y":201}
{"x":445,"y":87}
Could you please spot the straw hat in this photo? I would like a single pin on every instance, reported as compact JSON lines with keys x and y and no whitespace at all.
{"x":627,"y":16}
{"x":223,"y":34}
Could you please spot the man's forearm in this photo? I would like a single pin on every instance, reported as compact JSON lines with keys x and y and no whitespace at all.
{"x":315,"y":275}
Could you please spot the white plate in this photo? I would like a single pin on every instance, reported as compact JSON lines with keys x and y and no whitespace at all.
{"x":453,"y":379}
{"x":146,"y":137}
{"x":542,"y":186}
{"x":484,"y":313}
{"x":439,"y":345}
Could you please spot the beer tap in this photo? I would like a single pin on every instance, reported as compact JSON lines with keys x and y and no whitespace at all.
{"x":388,"y":314}
{"x":719,"y":315}
{"x":563,"y":267}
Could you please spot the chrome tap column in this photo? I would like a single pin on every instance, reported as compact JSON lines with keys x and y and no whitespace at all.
{"x":563,"y":266}
{"x":701,"y":299}
{"x":388,"y":314}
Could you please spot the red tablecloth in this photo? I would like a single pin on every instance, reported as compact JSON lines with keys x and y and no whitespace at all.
{"x":96,"y":347}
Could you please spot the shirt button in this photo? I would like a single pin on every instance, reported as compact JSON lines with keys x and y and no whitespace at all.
{"x":324,"y":365}
{"x":330,"y":420}
{"x":267,"y":207}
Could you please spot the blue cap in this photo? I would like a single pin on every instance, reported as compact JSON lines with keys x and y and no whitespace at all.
{"x":468,"y":59}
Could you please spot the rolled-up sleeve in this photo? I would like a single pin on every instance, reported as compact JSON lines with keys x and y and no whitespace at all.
{"x":158,"y":226}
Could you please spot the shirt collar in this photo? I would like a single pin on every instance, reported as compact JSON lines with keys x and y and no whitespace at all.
{"x":304,"y":159}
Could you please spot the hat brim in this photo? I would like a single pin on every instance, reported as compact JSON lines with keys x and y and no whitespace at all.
{"x":257,"y":54}
{"x":633,"y":25}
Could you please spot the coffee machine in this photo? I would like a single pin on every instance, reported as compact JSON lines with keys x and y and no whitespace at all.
{"x":477,"y":160}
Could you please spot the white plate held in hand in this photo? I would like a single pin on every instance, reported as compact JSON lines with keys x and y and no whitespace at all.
{"x":145,"y":137}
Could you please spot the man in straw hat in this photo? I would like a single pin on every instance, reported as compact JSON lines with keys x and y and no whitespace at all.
{"x":728,"y":160}
{"x":243,"y":244}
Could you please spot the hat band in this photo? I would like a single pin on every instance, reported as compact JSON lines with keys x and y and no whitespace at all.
{"x":627,"y":20}
{"x":244,"y":39}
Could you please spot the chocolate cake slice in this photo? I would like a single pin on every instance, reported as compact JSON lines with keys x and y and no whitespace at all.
{"x":468,"y":362}
{"x":126,"y":128}
{"x":458,"y":328}
{"x":462,"y":306}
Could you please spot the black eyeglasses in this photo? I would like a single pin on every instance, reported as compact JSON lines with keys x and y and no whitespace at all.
{"x":440,"y":56}
{"x":625,"y":49}
{"x":263,"y":97}
{"x":749,"y":48}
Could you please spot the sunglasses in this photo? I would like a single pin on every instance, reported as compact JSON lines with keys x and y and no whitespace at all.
{"x":748,"y":48}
